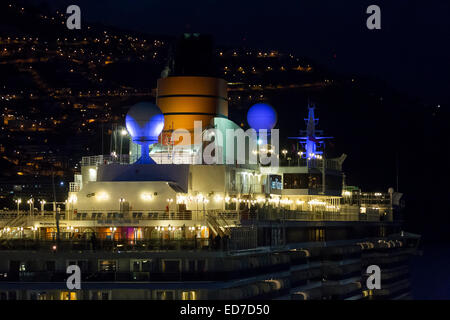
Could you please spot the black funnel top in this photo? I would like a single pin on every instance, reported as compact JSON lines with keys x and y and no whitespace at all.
{"x":194,"y":56}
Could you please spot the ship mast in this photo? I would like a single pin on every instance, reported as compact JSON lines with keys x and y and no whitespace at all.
{"x":313,"y":145}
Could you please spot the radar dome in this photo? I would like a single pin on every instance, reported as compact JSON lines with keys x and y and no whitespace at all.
{"x":262,"y":116}
{"x":144,"y":122}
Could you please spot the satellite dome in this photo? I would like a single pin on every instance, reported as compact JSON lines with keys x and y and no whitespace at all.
{"x":262,"y":116}
{"x":144,"y":122}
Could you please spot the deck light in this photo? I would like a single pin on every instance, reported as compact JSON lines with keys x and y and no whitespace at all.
{"x":146,"y":196}
{"x":102,"y":196}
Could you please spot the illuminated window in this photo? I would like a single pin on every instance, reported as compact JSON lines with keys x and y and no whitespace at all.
{"x":316,"y":234}
{"x":68,"y":295}
{"x":92,"y":174}
{"x":107,"y":265}
{"x":188,"y":295}
{"x":275,"y":182}
{"x":314,"y":181}
{"x":141,"y":265}
{"x":367,"y":293}
{"x":295,"y":181}
{"x":165,"y":295}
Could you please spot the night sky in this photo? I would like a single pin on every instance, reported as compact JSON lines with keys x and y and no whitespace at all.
{"x":410,"y":52}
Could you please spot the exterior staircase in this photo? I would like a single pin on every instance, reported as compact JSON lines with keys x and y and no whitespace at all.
{"x":18,"y":221}
{"x":218,"y":224}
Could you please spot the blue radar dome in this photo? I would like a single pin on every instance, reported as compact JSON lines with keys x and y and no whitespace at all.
{"x":262,"y":116}
{"x":144,"y":122}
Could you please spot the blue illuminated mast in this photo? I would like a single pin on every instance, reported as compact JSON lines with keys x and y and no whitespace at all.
{"x":312,"y":144}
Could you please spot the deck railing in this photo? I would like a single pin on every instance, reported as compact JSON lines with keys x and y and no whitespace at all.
{"x":315,"y":216}
{"x":291,"y":215}
{"x":105,"y":159}
{"x":89,"y":244}
{"x":186,"y":157}
{"x":332,"y":164}
{"x":233,"y":216}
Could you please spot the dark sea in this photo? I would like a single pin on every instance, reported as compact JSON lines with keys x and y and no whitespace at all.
{"x":430,"y":273}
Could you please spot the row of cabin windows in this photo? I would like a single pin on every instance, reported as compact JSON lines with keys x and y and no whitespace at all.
{"x":95,"y":295}
{"x":310,"y":181}
{"x":167,"y":265}
{"x":107,"y":295}
{"x":69,"y":295}
{"x":170,"y":295}
{"x":136,"y":265}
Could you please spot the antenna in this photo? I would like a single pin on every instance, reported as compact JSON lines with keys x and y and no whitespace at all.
{"x":312,"y":143}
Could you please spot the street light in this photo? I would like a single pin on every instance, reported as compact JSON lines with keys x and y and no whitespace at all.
{"x":289,"y":161}
{"x":31,"y":202}
{"x":34,"y":229}
{"x":42,"y":202}
{"x":205,"y":201}
{"x":113,"y":230}
{"x":18,"y":201}
{"x":299,"y":156}
{"x":121,"y":201}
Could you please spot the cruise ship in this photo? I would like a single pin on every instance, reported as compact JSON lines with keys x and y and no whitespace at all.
{"x":164,"y":222}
